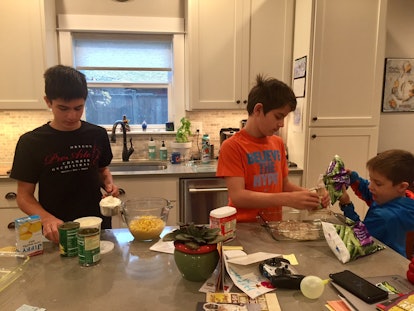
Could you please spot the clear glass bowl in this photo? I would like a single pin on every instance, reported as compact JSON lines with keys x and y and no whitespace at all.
{"x":146,"y":217}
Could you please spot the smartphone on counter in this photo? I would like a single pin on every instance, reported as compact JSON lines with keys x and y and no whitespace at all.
{"x":359,"y":287}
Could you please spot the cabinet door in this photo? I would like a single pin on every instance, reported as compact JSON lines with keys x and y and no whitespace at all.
{"x":348,"y":62}
{"x":26,"y":29}
{"x":218,"y":46}
{"x":354,"y":145}
{"x":271,"y":40}
{"x":230,"y":42}
{"x":135,"y":187}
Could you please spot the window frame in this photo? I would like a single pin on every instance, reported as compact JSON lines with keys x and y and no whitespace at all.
{"x":69,"y":24}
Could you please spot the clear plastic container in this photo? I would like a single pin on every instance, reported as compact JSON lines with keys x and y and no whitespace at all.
{"x":12,"y":265}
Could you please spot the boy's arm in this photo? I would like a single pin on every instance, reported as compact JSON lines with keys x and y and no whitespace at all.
{"x":28,"y":204}
{"x":360,"y":187}
{"x":347,"y":206}
{"x":107,"y":182}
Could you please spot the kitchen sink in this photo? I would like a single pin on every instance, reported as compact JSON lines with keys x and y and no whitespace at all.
{"x":137,"y":166}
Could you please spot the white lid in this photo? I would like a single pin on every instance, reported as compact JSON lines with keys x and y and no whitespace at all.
{"x":223,"y":212}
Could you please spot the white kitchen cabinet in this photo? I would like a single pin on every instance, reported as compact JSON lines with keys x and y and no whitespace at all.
{"x":141,"y":187}
{"x":8,"y":205}
{"x":295,"y":178}
{"x":8,"y":193}
{"x":347,"y":59}
{"x":354,"y":145}
{"x":229,"y":42}
{"x":28,"y":36}
{"x":344,"y":43}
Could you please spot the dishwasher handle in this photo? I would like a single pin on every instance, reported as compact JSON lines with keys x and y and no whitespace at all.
{"x":200,"y":190}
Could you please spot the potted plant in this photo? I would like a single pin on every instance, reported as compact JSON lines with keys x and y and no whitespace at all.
{"x":195,"y":253}
{"x":182,"y":141}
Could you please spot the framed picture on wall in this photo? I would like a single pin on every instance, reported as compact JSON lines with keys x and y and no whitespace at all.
{"x":299,"y":67}
{"x":398,"y":92}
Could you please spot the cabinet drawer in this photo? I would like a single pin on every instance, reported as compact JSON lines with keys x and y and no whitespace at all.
{"x":8,"y":194}
{"x":8,"y":215}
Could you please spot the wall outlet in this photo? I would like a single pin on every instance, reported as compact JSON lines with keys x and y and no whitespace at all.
{"x":197,"y":126}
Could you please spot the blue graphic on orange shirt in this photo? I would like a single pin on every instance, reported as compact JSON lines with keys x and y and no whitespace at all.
{"x":266,"y":160}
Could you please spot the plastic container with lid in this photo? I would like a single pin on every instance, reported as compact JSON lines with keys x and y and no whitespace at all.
{"x":225,"y":219}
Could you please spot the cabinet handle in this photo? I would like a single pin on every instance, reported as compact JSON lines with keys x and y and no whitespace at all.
{"x":194,"y":190}
{"x":238,"y":101}
{"x":313,"y":136}
{"x":315,"y":119}
{"x":10,"y":196}
{"x":244,"y":101}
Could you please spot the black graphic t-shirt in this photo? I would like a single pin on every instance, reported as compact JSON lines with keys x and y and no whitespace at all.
{"x":65,"y":164}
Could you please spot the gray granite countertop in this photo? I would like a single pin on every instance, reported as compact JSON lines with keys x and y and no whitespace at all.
{"x":132,"y":277}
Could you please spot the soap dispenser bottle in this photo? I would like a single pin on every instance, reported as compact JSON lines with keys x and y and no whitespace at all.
{"x":163,"y":152}
{"x":151,"y":149}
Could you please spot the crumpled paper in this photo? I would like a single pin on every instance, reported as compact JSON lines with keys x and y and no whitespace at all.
{"x":335,"y":177}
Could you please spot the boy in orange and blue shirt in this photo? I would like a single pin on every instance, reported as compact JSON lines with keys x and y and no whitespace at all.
{"x":253,"y":161}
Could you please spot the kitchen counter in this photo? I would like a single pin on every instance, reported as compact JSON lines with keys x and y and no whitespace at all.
{"x":131,"y":277}
{"x":196,"y":169}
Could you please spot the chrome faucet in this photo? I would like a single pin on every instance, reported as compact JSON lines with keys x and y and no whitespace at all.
{"x":126,"y":153}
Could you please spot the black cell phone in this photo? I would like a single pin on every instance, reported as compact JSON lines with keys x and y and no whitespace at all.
{"x":358,"y":286}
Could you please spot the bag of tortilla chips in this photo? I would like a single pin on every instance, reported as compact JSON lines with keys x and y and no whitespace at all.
{"x":335,"y":177}
{"x":350,"y":241}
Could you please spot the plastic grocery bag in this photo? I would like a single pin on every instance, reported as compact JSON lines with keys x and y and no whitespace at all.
{"x":335,"y":177}
{"x":350,"y":241}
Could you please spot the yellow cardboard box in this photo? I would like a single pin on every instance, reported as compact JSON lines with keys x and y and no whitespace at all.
{"x":29,"y":238}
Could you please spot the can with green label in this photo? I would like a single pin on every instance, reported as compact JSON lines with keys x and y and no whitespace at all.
{"x":68,"y":239}
{"x":89,"y":251}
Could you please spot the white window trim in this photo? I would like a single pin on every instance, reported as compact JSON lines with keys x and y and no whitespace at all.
{"x":68,"y":23}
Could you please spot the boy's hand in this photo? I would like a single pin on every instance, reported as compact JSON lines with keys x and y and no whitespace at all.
{"x":344,"y":199}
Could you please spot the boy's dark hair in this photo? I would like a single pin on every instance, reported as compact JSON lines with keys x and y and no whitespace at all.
{"x":65,"y":82}
{"x":396,"y":165}
{"x":272,"y":93}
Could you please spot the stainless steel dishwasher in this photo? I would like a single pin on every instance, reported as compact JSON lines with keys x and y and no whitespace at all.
{"x":198,"y":196}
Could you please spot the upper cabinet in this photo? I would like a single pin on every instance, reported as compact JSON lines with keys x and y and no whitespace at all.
{"x":338,"y":111}
{"x":347,"y":62}
{"x":229,"y":42}
{"x":28,"y":36}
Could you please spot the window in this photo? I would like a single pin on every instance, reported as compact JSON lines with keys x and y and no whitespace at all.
{"x":135,"y":68}
{"x":127,"y":75}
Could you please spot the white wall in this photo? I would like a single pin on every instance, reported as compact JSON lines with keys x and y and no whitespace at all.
{"x":396,"y":129}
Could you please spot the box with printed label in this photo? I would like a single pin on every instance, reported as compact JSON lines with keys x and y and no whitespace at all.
{"x":29,"y":239}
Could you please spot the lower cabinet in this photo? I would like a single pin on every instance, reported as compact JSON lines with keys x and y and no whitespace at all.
{"x":140,"y":187}
{"x":9,"y":215}
{"x":295,"y":177}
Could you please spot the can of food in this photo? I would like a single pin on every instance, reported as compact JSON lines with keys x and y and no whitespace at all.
{"x":68,"y":239}
{"x":89,"y":251}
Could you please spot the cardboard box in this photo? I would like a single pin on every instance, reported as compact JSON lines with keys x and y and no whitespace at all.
{"x":29,"y":238}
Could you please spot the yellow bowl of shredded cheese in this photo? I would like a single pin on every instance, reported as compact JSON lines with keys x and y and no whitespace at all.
{"x":146,"y":217}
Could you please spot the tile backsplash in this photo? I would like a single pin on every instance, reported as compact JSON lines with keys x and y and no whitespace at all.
{"x":16,"y":122}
